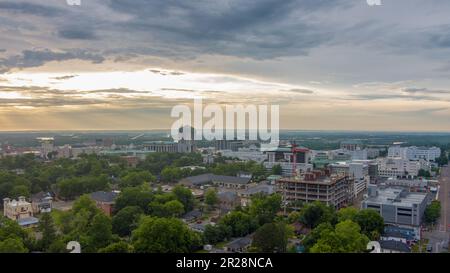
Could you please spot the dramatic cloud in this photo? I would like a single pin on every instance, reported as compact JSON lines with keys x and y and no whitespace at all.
{"x":30,"y":58}
{"x":323,"y":61}
{"x":30,"y":9}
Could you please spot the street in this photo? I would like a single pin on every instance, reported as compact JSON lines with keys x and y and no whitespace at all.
{"x":440,"y":236}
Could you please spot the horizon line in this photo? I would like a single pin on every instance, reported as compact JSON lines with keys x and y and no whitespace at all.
{"x":168,"y":130}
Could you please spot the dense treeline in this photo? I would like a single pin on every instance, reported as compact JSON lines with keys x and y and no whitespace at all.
{"x":70,"y":178}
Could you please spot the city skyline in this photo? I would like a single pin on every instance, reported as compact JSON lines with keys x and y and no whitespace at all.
{"x":122,"y":65}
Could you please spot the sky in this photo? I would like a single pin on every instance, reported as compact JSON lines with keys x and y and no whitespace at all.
{"x":123,"y":64}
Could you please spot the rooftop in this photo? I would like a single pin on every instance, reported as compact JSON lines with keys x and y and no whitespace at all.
{"x":397,"y":196}
{"x":159,"y":142}
{"x":241,"y":242}
{"x":315,"y":178}
{"x":28,"y":221}
{"x":395,"y":245}
{"x":269,"y":189}
{"x":103,"y":196}
{"x":209,"y":178}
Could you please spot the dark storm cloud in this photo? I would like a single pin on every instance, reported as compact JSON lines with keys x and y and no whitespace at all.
{"x":77,"y":34}
{"x":421,"y":90}
{"x":65,"y":77}
{"x":30,"y":8}
{"x":35,"y":58}
{"x":255,"y":29}
{"x":300,"y":91}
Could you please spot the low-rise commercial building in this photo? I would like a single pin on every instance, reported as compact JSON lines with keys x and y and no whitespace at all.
{"x":397,"y":205}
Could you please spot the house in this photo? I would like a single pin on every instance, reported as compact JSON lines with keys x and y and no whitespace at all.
{"x":199,"y":227}
{"x":228,"y":201}
{"x":105,"y":200}
{"x":19,"y":210}
{"x":255,"y":189}
{"x":239,"y":245}
{"x":42,"y":202}
{"x":392,"y":246}
{"x":191,"y":216}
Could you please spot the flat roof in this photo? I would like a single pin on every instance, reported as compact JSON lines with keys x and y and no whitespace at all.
{"x":396,"y":196}
{"x":326,"y":180}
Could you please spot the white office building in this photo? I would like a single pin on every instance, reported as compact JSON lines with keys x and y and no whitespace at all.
{"x":414,"y":153}
{"x":398,"y":167}
{"x":358,"y":169}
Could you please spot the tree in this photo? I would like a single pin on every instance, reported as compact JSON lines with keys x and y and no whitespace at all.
{"x":184,"y":195}
{"x":126,"y":220}
{"x":265,"y":207}
{"x":119,"y":247}
{"x":99,"y":233}
{"x":47,"y":227}
{"x":217,"y":233}
{"x":10,"y":229}
{"x":211,"y":198}
{"x":316,"y":213}
{"x":58,"y":246}
{"x":20,"y":190}
{"x":347,"y":214}
{"x":171,"y":174}
{"x":443,"y":159}
{"x":134,"y":197}
{"x":294,"y":217}
{"x":277,"y":170}
{"x":164,"y":235}
{"x":173,"y":208}
{"x":371,"y":223}
{"x":345,"y":238}
{"x":12,"y":245}
{"x":136,"y":178}
{"x":311,"y":239}
{"x":239,"y":222}
{"x":271,"y":237}
{"x":424,"y":173}
{"x":432,"y":212}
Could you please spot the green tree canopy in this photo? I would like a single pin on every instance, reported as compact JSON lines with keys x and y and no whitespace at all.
{"x":432,"y":212}
{"x":136,"y":178}
{"x":272,"y":237}
{"x":135,"y":196}
{"x":371,"y":223}
{"x":316,"y":213}
{"x":184,"y":195}
{"x":211,"y":198}
{"x":48,"y":230}
{"x":119,"y":247}
{"x":239,"y":222}
{"x":265,"y":207}
{"x":126,"y":220}
{"x":164,"y":235}
{"x":12,"y":245}
{"x":346,"y":238}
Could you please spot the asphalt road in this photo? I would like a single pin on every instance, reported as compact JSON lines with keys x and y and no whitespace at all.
{"x":439,"y":237}
{"x":444,"y":197}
